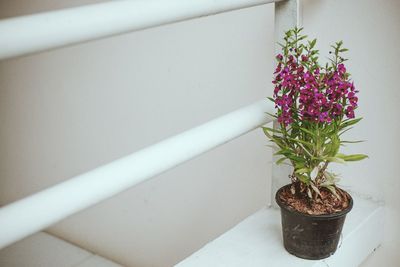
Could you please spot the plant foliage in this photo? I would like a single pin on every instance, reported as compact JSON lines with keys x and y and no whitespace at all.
{"x":314,"y":105}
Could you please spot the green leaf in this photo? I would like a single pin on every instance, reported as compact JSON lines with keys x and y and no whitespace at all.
{"x":353,"y":157}
{"x":296,"y":158}
{"x":284,"y":152}
{"x":312,"y":43}
{"x":345,"y":131}
{"x":335,"y":145}
{"x":306,"y":150}
{"x":335,"y":159}
{"x":279,"y":141}
{"x":272,"y":115}
{"x":302,"y":170}
{"x":307,"y":131}
{"x":348,"y":123}
{"x":267,"y":133}
{"x":271,"y":130}
{"x":352,"y":142}
{"x":299,"y":165}
{"x":303,"y":179}
{"x":300,"y":141}
{"x":271,"y":99}
{"x":280,"y":161}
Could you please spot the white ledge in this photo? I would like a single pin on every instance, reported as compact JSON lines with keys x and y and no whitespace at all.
{"x":45,"y":250}
{"x":257,"y":241}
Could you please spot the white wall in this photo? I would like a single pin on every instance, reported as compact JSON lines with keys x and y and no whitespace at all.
{"x":67,"y":111}
{"x":370,"y":29}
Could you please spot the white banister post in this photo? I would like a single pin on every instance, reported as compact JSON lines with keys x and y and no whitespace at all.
{"x":288,"y":14}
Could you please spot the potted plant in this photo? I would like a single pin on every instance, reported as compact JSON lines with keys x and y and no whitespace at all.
{"x":315,"y":105}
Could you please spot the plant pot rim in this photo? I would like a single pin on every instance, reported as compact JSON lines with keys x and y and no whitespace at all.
{"x":320,"y":216}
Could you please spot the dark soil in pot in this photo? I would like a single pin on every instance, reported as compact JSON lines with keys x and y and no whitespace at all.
{"x":314,"y":231}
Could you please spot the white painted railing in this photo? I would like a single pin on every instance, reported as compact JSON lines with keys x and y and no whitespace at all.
{"x":38,"y":211}
{"x":40,"y":32}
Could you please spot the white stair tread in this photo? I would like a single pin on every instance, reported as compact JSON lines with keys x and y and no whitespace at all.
{"x":45,"y":250}
{"x":257,"y":241}
{"x":97,"y":261}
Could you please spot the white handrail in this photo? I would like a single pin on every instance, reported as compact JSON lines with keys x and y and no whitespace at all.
{"x":40,"y":210}
{"x":43,"y":31}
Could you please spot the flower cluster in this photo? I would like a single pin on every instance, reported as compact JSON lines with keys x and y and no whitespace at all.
{"x":305,"y":91}
{"x":314,"y":106}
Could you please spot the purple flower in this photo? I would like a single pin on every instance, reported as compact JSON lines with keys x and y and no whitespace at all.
{"x":350,"y":112}
{"x":341,"y":68}
{"x":319,"y":95}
